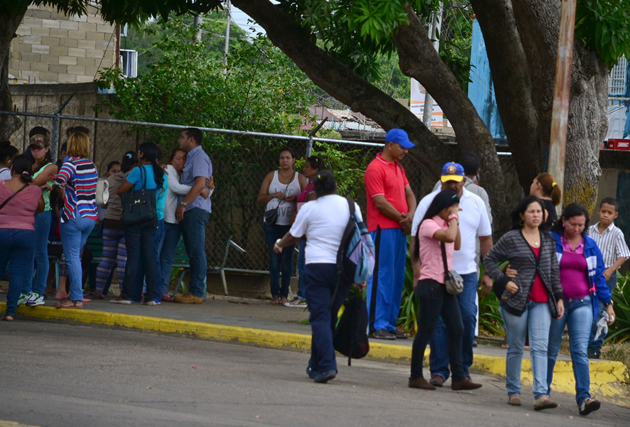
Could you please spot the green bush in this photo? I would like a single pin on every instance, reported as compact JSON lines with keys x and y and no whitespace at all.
{"x":619,"y":331}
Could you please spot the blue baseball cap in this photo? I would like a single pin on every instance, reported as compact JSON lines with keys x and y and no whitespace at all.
{"x":399,"y":136}
{"x":452,"y":171}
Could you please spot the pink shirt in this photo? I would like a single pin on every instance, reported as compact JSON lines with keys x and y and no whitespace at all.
{"x":301,"y":199}
{"x":431,"y":250}
{"x":19,"y":213}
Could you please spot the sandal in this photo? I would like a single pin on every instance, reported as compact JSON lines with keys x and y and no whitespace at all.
{"x":7,"y":318}
{"x":69,"y":304}
{"x":60,"y":297}
{"x":3,"y":291}
{"x":276,"y":301}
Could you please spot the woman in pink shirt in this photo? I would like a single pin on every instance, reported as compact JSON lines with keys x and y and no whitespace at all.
{"x":19,"y":202}
{"x":440,"y":226}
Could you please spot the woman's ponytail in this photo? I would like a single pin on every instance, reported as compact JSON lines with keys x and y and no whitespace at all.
{"x":23,"y":166}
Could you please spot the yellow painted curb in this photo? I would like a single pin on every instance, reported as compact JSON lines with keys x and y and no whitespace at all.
{"x":608,"y":378}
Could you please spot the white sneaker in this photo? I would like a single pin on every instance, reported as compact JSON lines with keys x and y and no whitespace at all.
{"x":35,"y":299}
{"x":296,"y":303}
{"x":24,"y":297}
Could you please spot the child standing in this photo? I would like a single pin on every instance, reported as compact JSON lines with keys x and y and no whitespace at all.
{"x":611,"y":242}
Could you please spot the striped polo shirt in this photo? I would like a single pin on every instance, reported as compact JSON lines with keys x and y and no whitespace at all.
{"x":78,"y":176}
{"x":611,"y":242}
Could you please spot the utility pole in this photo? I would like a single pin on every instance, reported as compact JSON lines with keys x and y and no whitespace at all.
{"x":436,"y":23}
{"x":227,"y":36}
{"x":561,"y":94}
{"x":197,"y":24}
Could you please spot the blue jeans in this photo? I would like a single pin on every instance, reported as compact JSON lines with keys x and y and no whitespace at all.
{"x":391,"y":278}
{"x":597,"y":345}
{"x":17,"y":249}
{"x":140,"y":242}
{"x":42,"y":228}
{"x":140,"y":275}
{"x":172,"y":232}
{"x":439,"y":360}
{"x":579,"y":317}
{"x":282,"y":261}
{"x":194,"y":231}
{"x":74,"y":234}
{"x":536,"y":319}
{"x":321,"y":280}
{"x":301,"y":269}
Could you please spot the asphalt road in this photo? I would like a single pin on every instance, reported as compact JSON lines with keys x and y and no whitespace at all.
{"x":65,"y":375}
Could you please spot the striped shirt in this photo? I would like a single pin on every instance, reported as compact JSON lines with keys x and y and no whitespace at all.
{"x":78,"y":176}
{"x":611,"y":242}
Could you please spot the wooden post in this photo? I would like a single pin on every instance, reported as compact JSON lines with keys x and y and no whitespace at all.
{"x":561,"y":94}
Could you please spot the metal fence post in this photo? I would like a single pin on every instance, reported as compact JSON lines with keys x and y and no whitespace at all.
{"x":54,"y":140}
{"x":309,"y":146}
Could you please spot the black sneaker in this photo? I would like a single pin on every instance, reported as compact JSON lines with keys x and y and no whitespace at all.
{"x":382,"y":334}
{"x":588,"y":406}
{"x":592,"y":353}
{"x":399,"y":335}
{"x":324,"y":376}
{"x":311,"y":373}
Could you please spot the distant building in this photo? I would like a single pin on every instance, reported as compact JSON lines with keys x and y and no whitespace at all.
{"x":51,"y":47}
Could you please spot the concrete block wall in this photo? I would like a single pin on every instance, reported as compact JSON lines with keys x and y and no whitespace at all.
{"x":51,"y":47}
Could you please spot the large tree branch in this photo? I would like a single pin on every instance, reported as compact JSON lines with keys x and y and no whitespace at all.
{"x":420,"y":60}
{"x":512,"y":84}
{"x":9,"y":22}
{"x":342,"y":82}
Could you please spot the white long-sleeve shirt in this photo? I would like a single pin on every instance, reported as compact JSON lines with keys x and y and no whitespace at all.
{"x":175,"y":189}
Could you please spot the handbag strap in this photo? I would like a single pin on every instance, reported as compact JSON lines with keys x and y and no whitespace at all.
{"x":143,"y":177}
{"x":444,"y":260}
{"x":12,"y":196}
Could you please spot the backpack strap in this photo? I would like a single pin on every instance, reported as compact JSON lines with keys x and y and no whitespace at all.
{"x":343,"y":246}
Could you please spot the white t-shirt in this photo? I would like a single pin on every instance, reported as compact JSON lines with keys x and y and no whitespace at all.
{"x":473,"y":223}
{"x":5,"y":173}
{"x":323,"y":221}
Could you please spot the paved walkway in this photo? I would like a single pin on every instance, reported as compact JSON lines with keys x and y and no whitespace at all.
{"x":256,"y":322}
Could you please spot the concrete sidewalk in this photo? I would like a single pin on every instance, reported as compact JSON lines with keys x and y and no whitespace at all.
{"x":256,"y":322}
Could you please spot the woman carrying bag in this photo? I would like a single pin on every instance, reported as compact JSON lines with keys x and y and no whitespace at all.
{"x":279,"y":191}
{"x":140,"y":220}
{"x":438,"y":234}
{"x":19,"y":202}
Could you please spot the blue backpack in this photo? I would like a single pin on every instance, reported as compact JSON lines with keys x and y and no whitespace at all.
{"x":355,"y":259}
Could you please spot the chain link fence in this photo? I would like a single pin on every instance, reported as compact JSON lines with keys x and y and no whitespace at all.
{"x":240,"y":161}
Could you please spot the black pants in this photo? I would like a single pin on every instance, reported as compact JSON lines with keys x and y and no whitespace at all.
{"x":435,"y":301}
{"x":140,"y":242}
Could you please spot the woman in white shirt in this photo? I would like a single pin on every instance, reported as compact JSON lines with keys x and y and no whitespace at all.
{"x":323,"y":222}
{"x":172,"y":230}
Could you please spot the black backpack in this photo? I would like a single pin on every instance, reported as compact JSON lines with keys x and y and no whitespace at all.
{"x":350,"y":337}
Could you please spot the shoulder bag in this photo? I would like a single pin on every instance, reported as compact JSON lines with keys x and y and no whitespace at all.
{"x":139,"y":206}
{"x":453,"y":281}
{"x":271,"y":216}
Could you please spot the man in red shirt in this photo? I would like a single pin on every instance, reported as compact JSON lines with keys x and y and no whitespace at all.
{"x":390,"y":208}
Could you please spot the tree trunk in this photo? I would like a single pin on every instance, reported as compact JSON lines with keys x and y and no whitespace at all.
{"x":9,"y":22}
{"x":523,"y":62}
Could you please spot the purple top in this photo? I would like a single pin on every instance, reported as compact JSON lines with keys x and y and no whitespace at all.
{"x":574,"y":275}
{"x":197,"y":164}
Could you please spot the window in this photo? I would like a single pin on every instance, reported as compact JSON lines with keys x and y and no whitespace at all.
{"x":617,"y":78}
